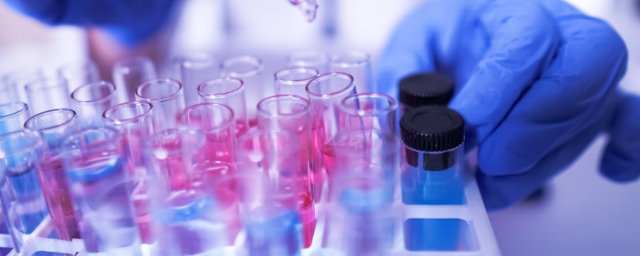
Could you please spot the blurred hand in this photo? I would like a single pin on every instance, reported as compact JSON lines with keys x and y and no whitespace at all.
{"x":129,"y":21}
{"x":537,"y":82}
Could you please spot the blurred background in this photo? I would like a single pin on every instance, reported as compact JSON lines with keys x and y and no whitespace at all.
{"x":580,"y":214}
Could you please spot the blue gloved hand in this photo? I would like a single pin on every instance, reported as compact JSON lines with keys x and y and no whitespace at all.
{"x":537,"y":80}
{"x":129,"y":21}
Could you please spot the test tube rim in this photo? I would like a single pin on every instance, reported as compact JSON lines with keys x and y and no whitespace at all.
{"x":201,"y":59}
{"x":348,"y":87}
{"x":125,"y":66}
{"x":114,"y":137}
{"x":323,"y":60}
{"x":238,"y":89}
{"x":304,"y":111}
{"x":43,"y":83}
{"x":184,"y":115}
{"x":278,"y":78}
{"x":36,"y":142}
{"x":171,"y":96}
{"x":22,"y":107}
{"x":336,"y":60}
{"x":31,"y":120}
{"x":393,"y":105}
{"x":259,"y":66}
{"x":148,"y":108}
{"x":112,"y":93}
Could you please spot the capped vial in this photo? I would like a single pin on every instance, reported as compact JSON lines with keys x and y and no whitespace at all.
{"x":433,"y":138}
{"x":425,"y":89}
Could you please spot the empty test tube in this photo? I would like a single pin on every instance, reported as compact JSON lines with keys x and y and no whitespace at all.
{"x":193,"y":70}
{"x":22,"y":198}
{"x":129,"y":74}
{"x":135,"y":121}
{"x":8,"y":93}
{"x":95,"y":162}
{"x":231,"y":92}
{"x":250,"y":70}
{"x":79,"y":73}
{"x":433,"y":150}
{"x":91,"y":100}
{"x":294,"y":80}
{"x":53,"y":126}
{"x":12,"y":116}
{"x":17,"y":80}
{"x":310,"y":59}
{"x":167,"y":98}
{"x":357,"y":64}
{"x":47,"y":93}
{"x":191,"y":216}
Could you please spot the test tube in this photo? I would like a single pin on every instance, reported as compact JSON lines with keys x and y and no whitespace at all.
{"x":287,"y":189}
{"x":217,"y":123}
{"x":249,"y":69}
{"x":135,"y":121}
{"x":17,"y":80}
{"x":95,"y":163}
{"x":433,"y":139}
{"x":425,"y":89}
{"x":53,"y":126}
{"x":228,"y":91}
{"x":195,"y":69}
{"x":79,"y":73}
{"x":22,"y":198}
{"x":310,"y":59}
{"x":12,"y":116}
{"x":167,"y":98}
{"x":8,"y":93}
{"x":191,"y":217}
{"x":294,"y":80}
{"x":91,"y":100}
{"x":129,"y":74}
{"x":47,"y":93}
{"x":357,"y":64}
{"x":361,"y":221}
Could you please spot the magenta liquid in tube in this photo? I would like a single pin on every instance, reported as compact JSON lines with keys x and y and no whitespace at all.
{"x":231,"y":92}
{"x":95,"y":162}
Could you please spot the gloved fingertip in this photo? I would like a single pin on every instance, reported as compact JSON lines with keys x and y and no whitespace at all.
{"x":618,"y":168}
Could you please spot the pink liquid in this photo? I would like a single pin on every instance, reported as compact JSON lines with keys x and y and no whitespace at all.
{"x":56,"y":193}
{"x":142,"y":210}
{"x":241,"y":128}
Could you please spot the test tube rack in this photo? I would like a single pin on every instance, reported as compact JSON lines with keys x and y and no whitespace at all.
{"x":478,"y":238}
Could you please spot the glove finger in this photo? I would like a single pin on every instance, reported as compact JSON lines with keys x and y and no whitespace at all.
{"x":574,"y":91}
{"x":621,"y":160}
{"x":523,"y":38}
{"x":46,"y":11}
{"x":502,"y":191}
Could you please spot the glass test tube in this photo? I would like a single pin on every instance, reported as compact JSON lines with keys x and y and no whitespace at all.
{"x":191,"y":216}
{"x":22,"y":198}
{"x":167,"y":98}
{"x":53,"y":126}
{"x":357,"y":64}
{"x":91,"y":100}
{"x":16,"y":81}
{"x":129,"y":74}
{"x":47,"y":93}
{"x":8,"y":93}
{"x":310,"y":59}
{"x":294,"y":80}
{"x":361,"y":221}
{"x":12,"y":116}
{"x":216,"y":121}
{"x":228,"y":91}
{"x":135,"y":121}
{"x":79,"y":73}
{"x":287,"y":189}
{"x":249,"y":69}
{"x":95,"y":162}
{"x":193,"y":70}
{"x":433,"y":153}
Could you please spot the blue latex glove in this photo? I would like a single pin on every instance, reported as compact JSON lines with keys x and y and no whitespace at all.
{"x":129,"y":21}
{"x":537,"y":80}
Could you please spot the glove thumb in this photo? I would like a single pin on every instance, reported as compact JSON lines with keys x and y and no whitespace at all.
{"x":621,"y":159}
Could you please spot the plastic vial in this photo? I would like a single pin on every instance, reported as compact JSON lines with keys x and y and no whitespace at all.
{"x":433,"y":150}
{"x":425,"y":89}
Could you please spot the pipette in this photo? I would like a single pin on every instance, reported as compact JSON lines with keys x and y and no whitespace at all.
{"x":308,"y":8}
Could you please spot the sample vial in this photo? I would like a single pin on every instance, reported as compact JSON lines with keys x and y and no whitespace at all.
{"x":433,"y":139}
{"x":425,"y":89}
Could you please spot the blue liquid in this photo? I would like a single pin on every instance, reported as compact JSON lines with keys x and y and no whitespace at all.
{"x":438,"y":235}
{"x":276,"y":236}
{"x":30,"y":207}
{"x":371,"y":231}
{"x":420,"y":187}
